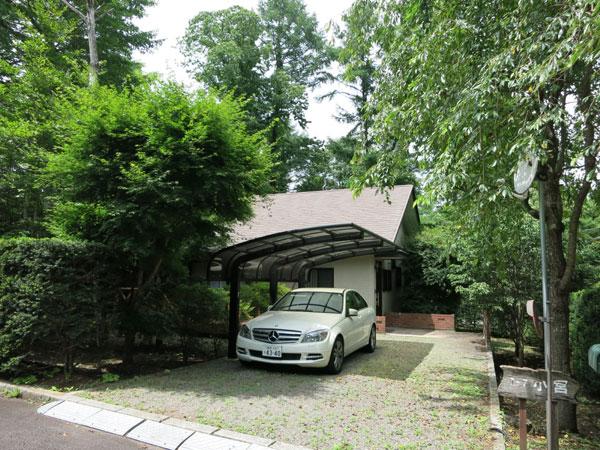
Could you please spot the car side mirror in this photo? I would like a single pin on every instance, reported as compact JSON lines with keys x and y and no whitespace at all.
{"x":269,"y":307}
{"x":352,"y":312}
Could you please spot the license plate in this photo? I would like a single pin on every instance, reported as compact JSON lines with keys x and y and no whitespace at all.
{"x":272,"y":351}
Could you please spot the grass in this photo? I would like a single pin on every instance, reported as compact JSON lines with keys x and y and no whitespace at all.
{"x":588,"y":410}
{"x":413,"y":392}
{"x":12,"y":393}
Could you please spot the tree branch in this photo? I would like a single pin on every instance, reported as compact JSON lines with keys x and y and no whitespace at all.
{"x":75,"y":10}
{"x":531,"y":211}
{"x":101,"y":11}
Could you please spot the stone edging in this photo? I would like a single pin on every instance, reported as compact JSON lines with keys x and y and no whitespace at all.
{"x":31,"y":393}
{"x":495,"y":413}
{"x":43,"y":395}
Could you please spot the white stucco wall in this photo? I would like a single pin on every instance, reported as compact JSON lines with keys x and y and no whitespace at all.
{"x":355,"y":273}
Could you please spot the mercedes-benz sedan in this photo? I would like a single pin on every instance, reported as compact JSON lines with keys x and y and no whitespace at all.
{"x":315,"y":327}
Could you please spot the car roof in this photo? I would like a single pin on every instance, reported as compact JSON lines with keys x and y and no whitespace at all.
{"x":318,"y":289}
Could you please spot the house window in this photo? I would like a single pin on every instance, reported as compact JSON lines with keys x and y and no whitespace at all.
{"x":321,"y":278}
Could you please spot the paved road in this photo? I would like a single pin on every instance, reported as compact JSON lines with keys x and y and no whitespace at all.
{"x":22,"y":428}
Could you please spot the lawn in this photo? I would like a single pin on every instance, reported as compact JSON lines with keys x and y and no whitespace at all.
{"x":588,"y":410}
{"x":412,"y":393}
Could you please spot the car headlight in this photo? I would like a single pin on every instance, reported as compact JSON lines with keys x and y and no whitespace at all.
{"x":316,"y":336}
{"x":245,"y":332}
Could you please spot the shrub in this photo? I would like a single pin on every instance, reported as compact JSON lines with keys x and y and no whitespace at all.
{"x":50,"y":296}
{"x":109,"y":377}
{"x":255,"y":297}
{"x":27,"y":379}
{"x":197,"y":310}
{"x":585,"y":316}
{"x":12,"y":393}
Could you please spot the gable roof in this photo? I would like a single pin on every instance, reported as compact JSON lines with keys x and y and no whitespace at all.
{"x":297,"y":210}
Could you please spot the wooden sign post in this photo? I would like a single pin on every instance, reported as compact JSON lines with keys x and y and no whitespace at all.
{"x":530,"y":384}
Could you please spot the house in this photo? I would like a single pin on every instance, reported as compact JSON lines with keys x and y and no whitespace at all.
{"x":322,"y":239}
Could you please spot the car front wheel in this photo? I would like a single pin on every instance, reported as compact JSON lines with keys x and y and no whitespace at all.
{"x":336,"y":360}
{"x":370,"y":348}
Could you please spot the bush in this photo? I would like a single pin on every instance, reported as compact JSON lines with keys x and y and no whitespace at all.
{"x":50,"y":297}
{"x":585,"y":332}
{"x":255,"y":297}
{"x":109,"y":377}
{"x":197,"y":310}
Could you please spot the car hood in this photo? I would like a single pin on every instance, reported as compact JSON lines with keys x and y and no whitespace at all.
{"x":295,"y":320}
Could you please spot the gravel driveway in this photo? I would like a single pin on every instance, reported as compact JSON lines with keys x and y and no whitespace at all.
{"x":413,"y":392}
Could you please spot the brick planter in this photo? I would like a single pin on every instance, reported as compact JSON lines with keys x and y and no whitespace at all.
{"x":423,"y":321}
{"x":380,"y":324}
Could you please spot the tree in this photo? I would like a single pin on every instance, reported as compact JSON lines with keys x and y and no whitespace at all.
{"x":112,"y":20}
{"x":33,"y":77}
{"x":222,"y":51}
{"x":271,"y":59}
{"x":42,"y":57}
{"x":149,"y":172}
{"x":471,"y":87}
{"x":497,"y":267}
{"x":357,"y":57}
{"x":327,"y":166}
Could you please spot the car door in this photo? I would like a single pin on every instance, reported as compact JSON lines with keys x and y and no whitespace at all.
{"x":356,"y":323}
{"x":366,"y":316}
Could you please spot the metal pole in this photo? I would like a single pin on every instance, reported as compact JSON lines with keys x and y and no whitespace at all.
{"x":550,"y":432}
{"x":234,"y":311}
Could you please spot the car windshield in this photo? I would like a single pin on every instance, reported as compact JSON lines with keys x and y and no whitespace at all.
{"x":319,"y":302}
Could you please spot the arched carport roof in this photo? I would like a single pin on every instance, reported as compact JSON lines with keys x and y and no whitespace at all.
{"x":286,"y":255}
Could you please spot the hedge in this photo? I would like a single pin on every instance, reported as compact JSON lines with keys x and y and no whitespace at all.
{"x":585,"y":332}
{"x":51,"y":295}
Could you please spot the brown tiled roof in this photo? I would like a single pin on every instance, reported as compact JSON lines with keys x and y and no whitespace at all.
{"x":296,"y":210}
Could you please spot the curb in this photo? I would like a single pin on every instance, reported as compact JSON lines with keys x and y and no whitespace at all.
{"x":31,"y":393}
{"x":43,"y":395}
{"x":495,"y":413}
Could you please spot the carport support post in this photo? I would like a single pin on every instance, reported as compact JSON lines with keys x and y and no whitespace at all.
{"x":234,"y":311}
{"x":273,"y":289}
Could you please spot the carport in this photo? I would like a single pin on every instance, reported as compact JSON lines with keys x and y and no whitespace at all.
{"x":288,"y":256}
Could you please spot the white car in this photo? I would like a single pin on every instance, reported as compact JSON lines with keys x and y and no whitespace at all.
{"x":312,"y":327}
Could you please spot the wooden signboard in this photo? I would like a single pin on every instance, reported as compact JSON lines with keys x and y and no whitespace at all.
{"x":530,"y":384}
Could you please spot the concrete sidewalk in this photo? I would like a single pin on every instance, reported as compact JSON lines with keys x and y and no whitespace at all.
{"x":154,"y":429}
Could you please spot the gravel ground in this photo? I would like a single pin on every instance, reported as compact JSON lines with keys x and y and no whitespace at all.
{"x":412,"y":393}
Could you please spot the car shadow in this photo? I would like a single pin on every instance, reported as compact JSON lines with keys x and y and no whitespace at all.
{"x":391,"y":360}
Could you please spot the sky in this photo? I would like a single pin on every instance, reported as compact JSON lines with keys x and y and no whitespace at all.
{"x":169,"y":19}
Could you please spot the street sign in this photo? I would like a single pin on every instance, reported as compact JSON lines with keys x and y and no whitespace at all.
{"x":531,"y":384}
{"x":525,"y":174}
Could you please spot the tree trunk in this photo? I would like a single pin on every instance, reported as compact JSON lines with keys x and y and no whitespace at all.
{"x":559,"y":298}
{"x":129,"y":347}
{"x":185,"y":350}
{"x":68,"y":369}
{"x":91,"y":32}
{"x":487,"y":328}
{"x":566,"y":412}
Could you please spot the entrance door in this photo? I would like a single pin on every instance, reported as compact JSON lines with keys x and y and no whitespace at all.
{"x":378,"y":288}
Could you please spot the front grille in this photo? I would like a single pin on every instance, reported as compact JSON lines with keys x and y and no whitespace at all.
{"x":284,"y":356}
{"x":285,"y":336}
